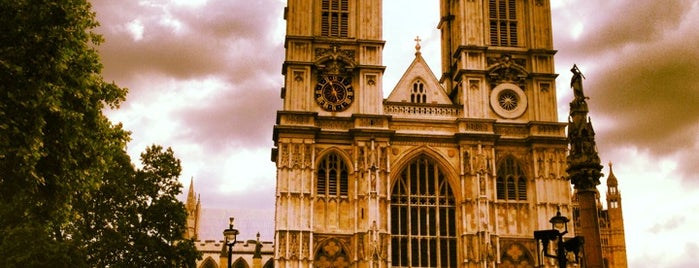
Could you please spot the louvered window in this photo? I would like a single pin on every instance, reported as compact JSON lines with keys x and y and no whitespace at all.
{"x":332,"y":176}
{"x":503,"y":23}
{"x":423,"y":219}
{"x":335,"y":18}
{"x":511,"y":183}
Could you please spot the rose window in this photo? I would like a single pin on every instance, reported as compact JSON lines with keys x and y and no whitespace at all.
{"x":508,"y":100}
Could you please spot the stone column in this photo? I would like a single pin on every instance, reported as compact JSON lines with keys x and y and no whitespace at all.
{"x":584,"y":172}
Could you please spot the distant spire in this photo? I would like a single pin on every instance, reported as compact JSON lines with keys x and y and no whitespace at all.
{"x":417,"y":45}
{"x":191,"y":198}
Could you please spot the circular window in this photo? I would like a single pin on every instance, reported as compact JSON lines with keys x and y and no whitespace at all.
{"x":508,"y":100}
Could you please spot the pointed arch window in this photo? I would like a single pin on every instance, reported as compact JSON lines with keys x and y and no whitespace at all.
{"x":423,"y":219}
{"x":503,"y":23}
{"x":240,"y":263}
{"x":335,"y":18}
{"x":418,"y":94}
{"x":511,"y":183}
{"x":209,"y":263}
{"x":332,"y":176}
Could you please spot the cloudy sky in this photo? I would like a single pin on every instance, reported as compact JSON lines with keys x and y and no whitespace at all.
{"x":204,"y":78}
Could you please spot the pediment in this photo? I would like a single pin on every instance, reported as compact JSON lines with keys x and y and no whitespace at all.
{"x":419,"y":85}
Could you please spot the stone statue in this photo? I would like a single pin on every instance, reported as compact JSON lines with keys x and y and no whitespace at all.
{"x":576,"y":84}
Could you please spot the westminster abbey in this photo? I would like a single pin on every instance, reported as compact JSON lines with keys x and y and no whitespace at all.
{"x":449,"y":170}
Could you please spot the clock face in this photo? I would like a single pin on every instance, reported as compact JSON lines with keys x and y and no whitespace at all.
{"x":334,"y":93}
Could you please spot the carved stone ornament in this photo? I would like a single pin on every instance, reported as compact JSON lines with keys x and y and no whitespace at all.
{"x":331,"y":254}
{"x":335,"y":61}
{"x":507,"y":70}
{"x":516,"y":255}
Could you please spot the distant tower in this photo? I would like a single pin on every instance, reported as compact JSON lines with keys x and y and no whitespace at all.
{"x":584,"y":171}
{"x":611,"y":224}
{"x":613,"y":238}
{"x":193,"y":207}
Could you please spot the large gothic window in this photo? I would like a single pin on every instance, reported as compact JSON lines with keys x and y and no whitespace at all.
{"x":335,"y":18}
{"x":511,"y":183}
{"x":332,"y":176}
{"x":423,"y":220}
{"x":503,"y":22}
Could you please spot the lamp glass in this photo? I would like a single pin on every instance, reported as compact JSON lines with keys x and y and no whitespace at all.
{"x":560,"y":226}
{"x":230,"y":233}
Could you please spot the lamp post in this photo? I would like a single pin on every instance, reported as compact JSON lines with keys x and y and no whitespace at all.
{"x":559,"y":228}
{"x":230,"y":235}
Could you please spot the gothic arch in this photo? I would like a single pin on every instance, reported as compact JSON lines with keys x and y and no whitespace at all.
{"x":345,"y":157}
{"x":512,"y":181}
{"x":423,"y":213}
{"x":333,"y":174}
{"x":518,"y":161}
{"x":208,"y":263}
{"x":240,"y":263}
{"x":331,"y":252}
{"x":406,"y":158}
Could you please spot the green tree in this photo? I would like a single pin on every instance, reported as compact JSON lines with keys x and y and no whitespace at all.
{"x":57,"y":149}
{"x":135,"y":220}
{"x":55,"y":143}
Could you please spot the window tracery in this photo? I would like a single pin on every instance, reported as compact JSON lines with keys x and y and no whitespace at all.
{"x":511,"y":182}
{"x":423,"y":220}
{"x":332,"y":176}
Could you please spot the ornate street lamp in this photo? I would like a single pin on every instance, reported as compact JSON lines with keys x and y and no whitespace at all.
{"x":230,"y":235}
{"x":559,"y":228}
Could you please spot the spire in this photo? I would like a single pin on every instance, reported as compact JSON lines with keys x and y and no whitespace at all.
{"x":191,"y":198}
{"x":611,"y":179}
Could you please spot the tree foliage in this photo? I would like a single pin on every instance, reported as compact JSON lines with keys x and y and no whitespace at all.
{"x":146,"y":222}
{"x":58,"y":151}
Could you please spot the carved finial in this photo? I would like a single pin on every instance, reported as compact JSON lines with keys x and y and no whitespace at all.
{"x":417,"y":45}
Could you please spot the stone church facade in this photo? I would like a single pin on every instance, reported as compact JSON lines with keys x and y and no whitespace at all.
{"x":449,"y":171}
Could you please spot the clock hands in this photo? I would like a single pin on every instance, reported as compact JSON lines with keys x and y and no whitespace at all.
{"x":334,"y":93}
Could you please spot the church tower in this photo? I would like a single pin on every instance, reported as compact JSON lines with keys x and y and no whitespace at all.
{"x":456,"y":171}
{"x":497,"y":59}
{"x":327,"y":201}
{"x":612,"y":228}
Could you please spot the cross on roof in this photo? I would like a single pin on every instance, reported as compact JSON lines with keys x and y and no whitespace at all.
{"x":417,"y":44}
